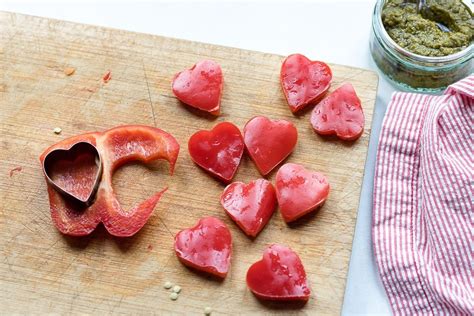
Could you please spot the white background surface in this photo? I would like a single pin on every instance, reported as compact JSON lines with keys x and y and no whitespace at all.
{"x":328,"y":30}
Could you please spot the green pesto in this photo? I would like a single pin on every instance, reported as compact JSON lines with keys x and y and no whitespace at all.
{"x":420,"y":34}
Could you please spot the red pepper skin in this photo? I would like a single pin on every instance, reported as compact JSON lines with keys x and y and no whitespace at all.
{"x":339,"y":113}
{"x":218,"y":151}
{"x":304,"y":81}
{"x":279,"y":276}
{"x":205,"y":247}
{"x":107,"y":76}
{"x":250,"y":205}
{"x":299,"y":191}
{"x":116,"y":147}
{"x":269,"y":142}
{"x":200,"y":86}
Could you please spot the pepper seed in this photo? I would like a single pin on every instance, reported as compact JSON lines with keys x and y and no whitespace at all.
{"x":174,"y":296}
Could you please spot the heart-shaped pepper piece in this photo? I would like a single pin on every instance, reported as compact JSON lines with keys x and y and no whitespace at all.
{"x":250,"y":205}
{"x":205,"y":247}
{"x":304,"y":81}
{"x":200,"y":86}
{"x":339,"y":113}
{"x":279,"y":276}
{"x":299,"y":191}
{"x":75,"y":172}
{"x":269,"y":142}
{"x":218,"y":151}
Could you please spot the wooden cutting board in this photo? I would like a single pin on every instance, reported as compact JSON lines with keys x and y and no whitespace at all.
{"x":43,"y":271}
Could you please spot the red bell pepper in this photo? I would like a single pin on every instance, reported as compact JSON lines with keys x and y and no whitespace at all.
{"x":339,"y":113}
{"x":299,"y":191}
{"x":269,"y":142}
{"x":250,"y":205}
{"x":206,"y":247}
{"x":218,"y":151}
{"x":115,"y":147}
{"x":279,"y":276}
{"x":304,"y":81}
{"x":201,"y":86}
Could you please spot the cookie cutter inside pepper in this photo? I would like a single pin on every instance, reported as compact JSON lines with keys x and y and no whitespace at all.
{"x":79,"y":151}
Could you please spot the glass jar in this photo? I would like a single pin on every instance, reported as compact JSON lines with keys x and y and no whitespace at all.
{"x":414,"y":72}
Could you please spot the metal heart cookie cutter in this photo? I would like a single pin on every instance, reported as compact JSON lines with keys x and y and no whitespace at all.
{"x":75,"y":172}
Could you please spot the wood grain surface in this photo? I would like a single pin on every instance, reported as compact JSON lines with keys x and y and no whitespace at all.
{"x":42,"y":271}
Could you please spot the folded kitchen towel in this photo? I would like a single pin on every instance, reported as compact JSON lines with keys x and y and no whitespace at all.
{"x":423,"y":202}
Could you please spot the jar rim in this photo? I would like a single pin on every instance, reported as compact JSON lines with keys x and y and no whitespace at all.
{"x":378,"y":26}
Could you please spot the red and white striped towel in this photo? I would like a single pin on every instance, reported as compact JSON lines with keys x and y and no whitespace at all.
{"x":423,"y":202}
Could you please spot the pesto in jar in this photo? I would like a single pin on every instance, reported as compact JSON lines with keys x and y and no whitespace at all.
{"x":420,"y":34}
